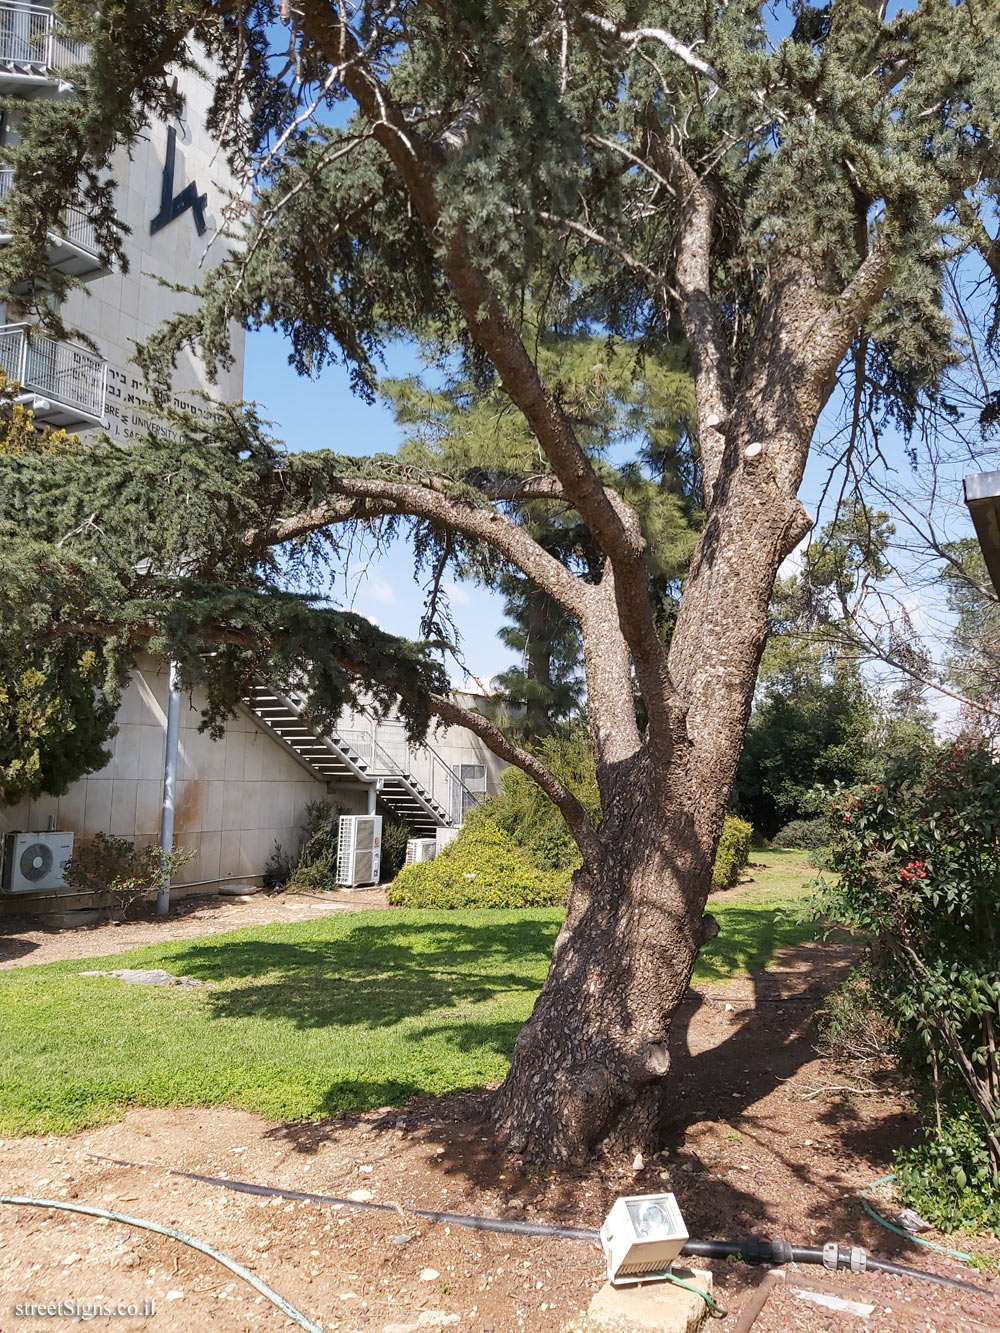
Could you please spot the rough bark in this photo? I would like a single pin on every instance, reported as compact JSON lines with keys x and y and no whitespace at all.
{"x":591,"y":1065}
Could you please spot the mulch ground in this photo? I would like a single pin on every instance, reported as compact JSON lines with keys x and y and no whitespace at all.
{"x":747,"y":1153}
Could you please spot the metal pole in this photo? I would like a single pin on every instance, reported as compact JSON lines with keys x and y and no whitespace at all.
{"x":170,"y":750}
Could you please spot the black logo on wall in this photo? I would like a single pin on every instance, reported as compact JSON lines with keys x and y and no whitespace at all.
{"x":173,"y":205}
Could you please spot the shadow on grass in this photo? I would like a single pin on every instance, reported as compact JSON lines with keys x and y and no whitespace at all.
{"x":748,"y":938}
{"x":376,"y":975}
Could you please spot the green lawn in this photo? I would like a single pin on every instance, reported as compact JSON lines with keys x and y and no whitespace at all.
{"x":308,"y":1019}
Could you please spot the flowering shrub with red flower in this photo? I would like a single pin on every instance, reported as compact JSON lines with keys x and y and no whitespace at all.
{"x":918,"y":858}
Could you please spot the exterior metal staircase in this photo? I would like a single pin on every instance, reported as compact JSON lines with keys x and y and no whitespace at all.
{"x":361,"y":760}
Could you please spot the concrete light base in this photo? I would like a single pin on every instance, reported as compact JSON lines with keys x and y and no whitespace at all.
{"x":660,"y":1306}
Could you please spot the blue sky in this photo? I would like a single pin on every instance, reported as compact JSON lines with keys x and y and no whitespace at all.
{"x":323,"y":413}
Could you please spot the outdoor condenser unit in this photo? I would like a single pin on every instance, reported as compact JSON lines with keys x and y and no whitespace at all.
{"x":34,"y":862}
{"x":420,"y":849}
{"x":642,"y":1236}
{"x":359,"y":850}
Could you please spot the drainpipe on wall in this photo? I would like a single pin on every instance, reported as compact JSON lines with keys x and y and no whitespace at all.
{"x":170,"y":751}
{"x":372,"y":798}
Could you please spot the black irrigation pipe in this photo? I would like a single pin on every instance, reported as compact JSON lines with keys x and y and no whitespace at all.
{"x":753,"y":1251}
{"x":452,"y":1219}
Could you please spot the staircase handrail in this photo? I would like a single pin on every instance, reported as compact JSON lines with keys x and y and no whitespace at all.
{"x":394,"y":766}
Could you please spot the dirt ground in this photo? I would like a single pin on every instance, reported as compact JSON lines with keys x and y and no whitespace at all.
{"x":26,"y":941}
{"x":747,"y":1152}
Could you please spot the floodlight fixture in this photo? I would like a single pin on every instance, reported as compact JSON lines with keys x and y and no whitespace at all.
{"x":642,"y":1236}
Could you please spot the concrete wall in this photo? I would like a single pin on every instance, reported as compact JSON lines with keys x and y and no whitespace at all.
{"x":235,"y":797}
{"x":124,"y":308}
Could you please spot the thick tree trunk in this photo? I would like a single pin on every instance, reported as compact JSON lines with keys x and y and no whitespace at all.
{"x":590,"y":1064}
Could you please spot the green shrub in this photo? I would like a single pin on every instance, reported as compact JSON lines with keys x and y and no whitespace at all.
{"x":733,"y":852}
{"x":315,"y":867}
{"x":483,"y":867}
{"x":918,"y":860}
{"x":112,"y":865}
{"x":395,"y":835}
{"x":806,"y":835}
{"x":948,"y":1177}
{"x":854,"y":1023}
{"x":278,"y":869}
{"x":525,"y":814}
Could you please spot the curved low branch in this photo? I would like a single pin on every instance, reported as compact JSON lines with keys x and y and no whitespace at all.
{"x":571,"y":809}
{"x":360,"y":498}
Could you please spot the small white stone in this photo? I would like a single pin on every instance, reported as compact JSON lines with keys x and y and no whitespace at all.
{"x":361,"y":1196}
{"x":174,"y":1295}
{"x":429,"y":1274}
{"x":638,"y":1162}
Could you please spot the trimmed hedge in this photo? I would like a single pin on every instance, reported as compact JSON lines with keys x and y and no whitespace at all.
{"x":483,"y":867}
{"x":805,"y":835}
{"x":733,"y":853}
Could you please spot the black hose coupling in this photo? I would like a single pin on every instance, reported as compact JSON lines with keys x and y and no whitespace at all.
{"x":772,"y":1251}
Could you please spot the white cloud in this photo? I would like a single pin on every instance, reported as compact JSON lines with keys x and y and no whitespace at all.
{"x":458,"y":594}
{"x":377,"y":589}
{"x":370,"y":586}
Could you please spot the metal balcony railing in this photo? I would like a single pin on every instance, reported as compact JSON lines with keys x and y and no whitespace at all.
{"x":56,"y":370}
{"x":74,"y":225}
{"x":31,"y":39}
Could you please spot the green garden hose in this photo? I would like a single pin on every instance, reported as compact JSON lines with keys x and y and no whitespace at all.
{"x":717,"y":1311}
{"x":174,"y":1234}
{"x":898,"y":1231}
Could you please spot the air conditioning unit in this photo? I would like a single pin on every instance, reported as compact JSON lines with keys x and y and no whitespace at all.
{"x":359,"y":850}
{"x":443,"y":836}
{"x":34,"y":862}
{"x":420,"y":849}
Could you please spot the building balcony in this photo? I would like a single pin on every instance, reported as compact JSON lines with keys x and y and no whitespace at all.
{"x":73,"y":249}
{"x":63,"y":384}
{"x":34,"y":52}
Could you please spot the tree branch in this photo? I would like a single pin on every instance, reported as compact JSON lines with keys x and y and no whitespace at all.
{"x":363,"y":498}
{"x":699,"y":318}
{"x":571,"y":809}
{"x":490,"y":324}
{"x":633,"y":36}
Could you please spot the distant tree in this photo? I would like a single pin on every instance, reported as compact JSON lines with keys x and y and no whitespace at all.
{"x":974,"y":660}
{"x":813,"y":724}
{"x":618,"y":398}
